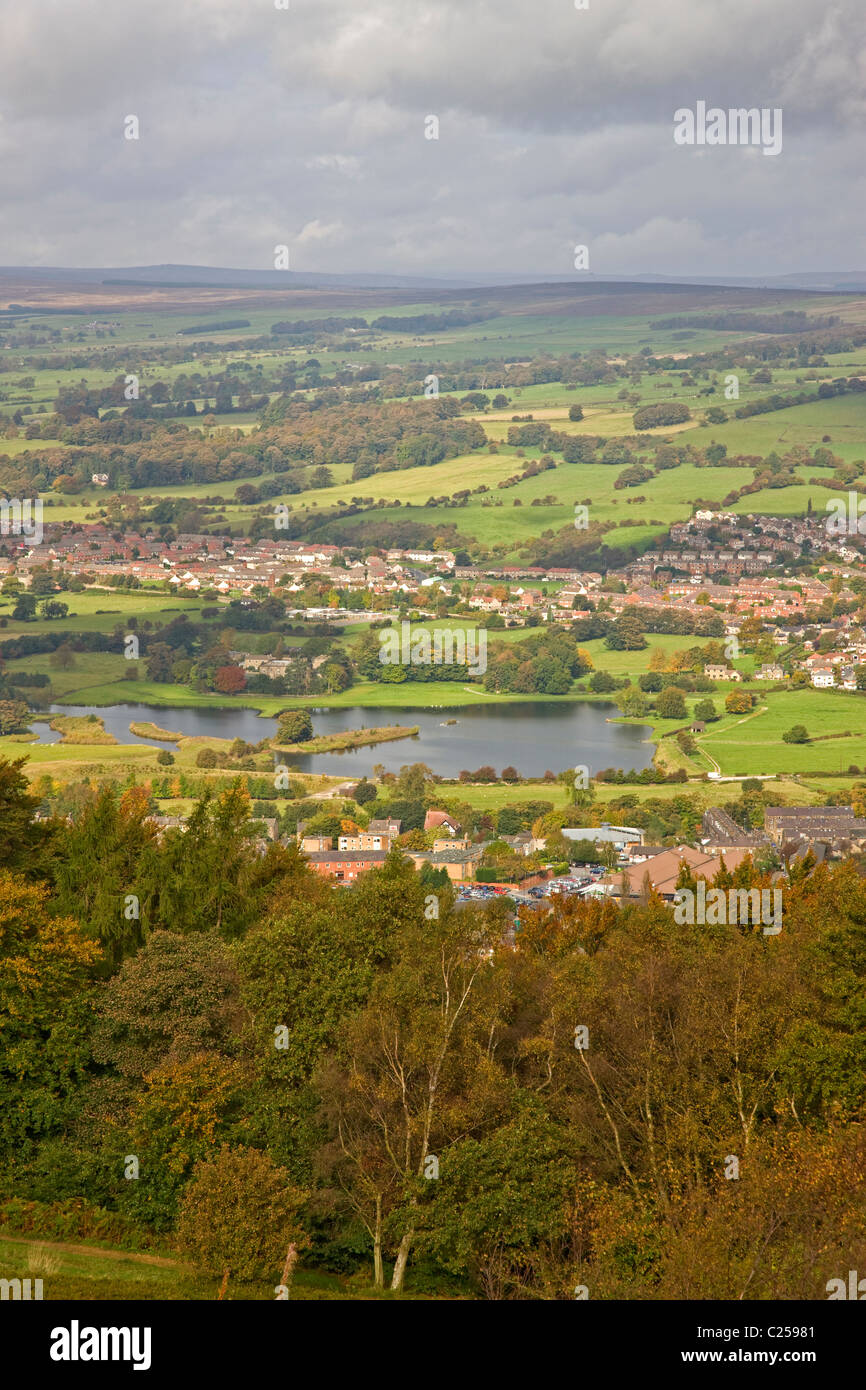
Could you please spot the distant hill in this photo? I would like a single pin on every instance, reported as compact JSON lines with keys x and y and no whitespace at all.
{"x":216,"y":277}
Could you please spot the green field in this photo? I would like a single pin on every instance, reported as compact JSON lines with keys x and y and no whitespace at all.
{"x":753,"y":744}
{"x":494,"y":797}
{"x":539,"y":321}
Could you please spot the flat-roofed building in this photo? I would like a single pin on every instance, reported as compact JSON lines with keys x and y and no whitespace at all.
{"x":606,"y":834}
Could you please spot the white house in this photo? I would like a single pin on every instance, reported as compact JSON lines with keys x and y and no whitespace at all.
{"x":823,"y":677}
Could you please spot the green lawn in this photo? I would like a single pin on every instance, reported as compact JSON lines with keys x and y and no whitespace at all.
{"x":637,"y":663}
{"x":23,"y":446}
{"x":744,"y":745}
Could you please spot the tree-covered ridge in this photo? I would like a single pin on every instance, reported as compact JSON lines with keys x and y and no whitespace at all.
{"x":295,"y":435}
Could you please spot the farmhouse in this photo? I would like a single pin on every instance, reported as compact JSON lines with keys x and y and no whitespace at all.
{"x":265,"y":665}
{"x":717,"y":672}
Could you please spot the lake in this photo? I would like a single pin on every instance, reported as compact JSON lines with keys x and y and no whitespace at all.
{"x":533,"y":737}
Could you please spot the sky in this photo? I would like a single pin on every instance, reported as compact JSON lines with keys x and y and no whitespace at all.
{"x":307,"y":127}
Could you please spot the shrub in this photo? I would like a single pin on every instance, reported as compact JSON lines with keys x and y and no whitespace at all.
{"x":705,"y":709}
{"x":670,"y":704}
{"x":239,"y":1214}
{"x":364,"y":792}
{"x":295,"y":726}
{"x":602,"y":683}
{"x":796,"y":734}
{"x":665,"y":413}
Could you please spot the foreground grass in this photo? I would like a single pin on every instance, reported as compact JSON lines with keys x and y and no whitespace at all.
{"x":100,"y":1274}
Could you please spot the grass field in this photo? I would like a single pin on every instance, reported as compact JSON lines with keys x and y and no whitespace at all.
{"x":411,"y":694}
{"x":834,"y":720}
{"x":843,"y":418}
{"x":23,"y":446}
{"x":100,"y":610}
{"x":101,"y":1274}
{"x":495,"y":797}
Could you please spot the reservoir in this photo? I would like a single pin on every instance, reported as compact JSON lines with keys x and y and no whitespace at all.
{"x":534,"y":738}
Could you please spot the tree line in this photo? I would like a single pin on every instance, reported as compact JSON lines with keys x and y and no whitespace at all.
{"x":604,"y":1099}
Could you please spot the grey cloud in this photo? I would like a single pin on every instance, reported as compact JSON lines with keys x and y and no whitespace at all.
{"x":261,"y":126}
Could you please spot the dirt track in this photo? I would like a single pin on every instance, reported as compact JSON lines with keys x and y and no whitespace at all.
{"x":93,"y":1250}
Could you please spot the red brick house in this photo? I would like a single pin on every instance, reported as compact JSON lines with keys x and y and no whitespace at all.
{"x":344,"y":866}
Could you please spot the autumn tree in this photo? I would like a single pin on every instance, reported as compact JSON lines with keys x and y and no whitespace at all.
{"x":47,"y":968}
{"x":500,"y":1211}
{"x":23,"y":842}
{"x":14,"y":717}
{"x":181,"y":1112}
{"x":229,"y":680}
{"x":738,"y":702}
{"x":295,"y":726}
{"x":105,"y":871}
{"x":178,"y":997}
{"x":239,"y":1215}
{"x":408,"y":1066}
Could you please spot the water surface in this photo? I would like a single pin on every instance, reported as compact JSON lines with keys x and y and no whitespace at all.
{"x":532,"y":737}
